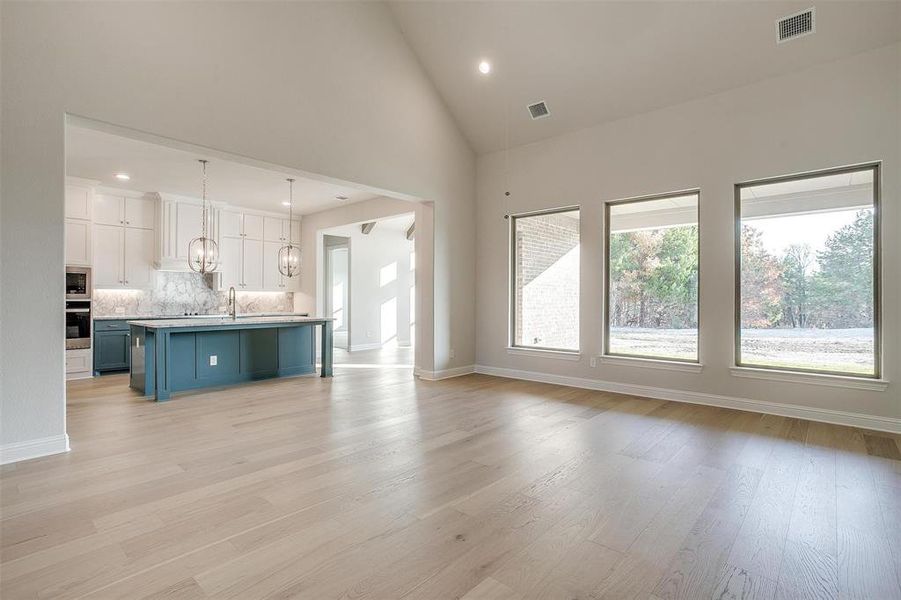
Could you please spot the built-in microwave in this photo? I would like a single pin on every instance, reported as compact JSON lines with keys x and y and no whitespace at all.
{"x":78,"y":283}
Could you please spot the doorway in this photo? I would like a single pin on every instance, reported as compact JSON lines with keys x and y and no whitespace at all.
{"x":336,"y":258}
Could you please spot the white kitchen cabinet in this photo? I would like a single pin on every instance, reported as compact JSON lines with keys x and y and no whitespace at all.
{"x":230,"y":224}
{"x":79,"y":363}
{"x":253,"y":264}
{"x":273,"y":230}
{"x":123,"y":257}
{"x":79,"y":202}
{"x":139,"y":212}
{"x":273,"y":280}
{"x":277,"y":230}
{"x":253,"y":227}
{"x":241,"y":264}
{"x":231,"y":256}
{"x":124,"y":210}
{"x":78,"y":242}
{"x":109,"y":254}
{"x":272,"y":277}
{"x":138,"y":258}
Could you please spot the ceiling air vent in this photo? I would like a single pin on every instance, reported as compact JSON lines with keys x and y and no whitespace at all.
{"x":538,"y":110}
{"x":795,"y":26}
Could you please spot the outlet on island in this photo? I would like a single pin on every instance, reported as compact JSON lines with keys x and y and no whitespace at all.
{"x":214,"y":360}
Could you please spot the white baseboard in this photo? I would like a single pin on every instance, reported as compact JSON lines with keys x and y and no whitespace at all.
{"x":824,"y":415}
{"x":358,"y":347}
{"x":445,"y":374}
{"x":56,"y":444}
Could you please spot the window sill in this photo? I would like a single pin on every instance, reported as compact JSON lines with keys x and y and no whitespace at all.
{"x":538,"y":352}
{"x":650,"y":363}
{"x":842,"y":381}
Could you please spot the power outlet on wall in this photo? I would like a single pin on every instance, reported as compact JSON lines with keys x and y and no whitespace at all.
{"x":593,"y":361}
{"x":214,"y":360}
{"x":369,"y":334}
{"x":452,"y":353}
{"x":120,"y":310}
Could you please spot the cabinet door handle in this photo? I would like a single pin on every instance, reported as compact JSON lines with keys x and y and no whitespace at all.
{"x":128,"y":222}
{"x":120,"y":222}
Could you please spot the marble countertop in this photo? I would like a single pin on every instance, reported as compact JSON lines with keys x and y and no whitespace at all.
{"x":216,"y":316}
{"x":225,"y":321}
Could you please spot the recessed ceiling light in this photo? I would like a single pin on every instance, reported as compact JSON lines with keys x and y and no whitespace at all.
{"x":484,"y":67}
{"x":286,"y":204}
{"x":123,"y":176}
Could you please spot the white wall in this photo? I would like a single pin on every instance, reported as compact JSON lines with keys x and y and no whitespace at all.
{"x":834,"y":114}
{"x":370,"y":296}
{"x":296,"y":84}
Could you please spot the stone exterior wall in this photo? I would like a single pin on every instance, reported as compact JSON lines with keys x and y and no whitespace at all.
{"x":547,"y":281}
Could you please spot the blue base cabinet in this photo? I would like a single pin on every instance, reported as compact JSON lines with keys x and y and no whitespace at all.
{"x":176,"y":359}
{"x":112,"y":346}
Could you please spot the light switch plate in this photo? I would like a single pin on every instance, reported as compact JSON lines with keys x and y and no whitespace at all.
{"x":120,"y":310}
{"x":214,"y":360}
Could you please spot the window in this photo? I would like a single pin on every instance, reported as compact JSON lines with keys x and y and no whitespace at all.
{"x":807,"y":272}
{"x":545,"y":296}
{"x":652,"y":277}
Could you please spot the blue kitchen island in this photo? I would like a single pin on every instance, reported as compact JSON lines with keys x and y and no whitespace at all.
{"x":174,"y":355}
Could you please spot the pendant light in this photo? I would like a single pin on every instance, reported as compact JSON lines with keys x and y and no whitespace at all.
{"x":203,"y":252}
{"x":289,"y":255}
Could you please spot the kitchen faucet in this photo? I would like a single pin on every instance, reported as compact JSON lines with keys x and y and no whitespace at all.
{"x":232,"y":305}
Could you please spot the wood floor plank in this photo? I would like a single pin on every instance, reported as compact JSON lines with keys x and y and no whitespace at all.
{"x":376,"y":485}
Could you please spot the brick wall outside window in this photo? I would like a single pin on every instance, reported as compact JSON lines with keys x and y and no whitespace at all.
{"x":546,"y":301}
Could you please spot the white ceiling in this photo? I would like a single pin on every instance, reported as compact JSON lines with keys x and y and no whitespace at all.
{"x":594,"y":62}
{"x":100,"y":155}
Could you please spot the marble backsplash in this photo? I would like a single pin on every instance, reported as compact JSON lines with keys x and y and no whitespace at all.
{"x":178,"y":293}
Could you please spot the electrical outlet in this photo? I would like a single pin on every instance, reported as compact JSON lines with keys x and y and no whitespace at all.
{"x":369,"y":334}
{"x":594,"y":361}
{"x":120,"y":310}
{"x":214,"y":360}
{"x":453,"y":353}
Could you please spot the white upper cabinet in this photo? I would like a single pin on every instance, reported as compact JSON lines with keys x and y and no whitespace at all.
{"x":231,"y":259}
{"x":79,"y":202}
{"x":272,"y":229}
{"x":123,"y":240}
{"x":138,"y":258}
{"x":78,"y":243}
{"x":277,"y":230}
{"x":253,"y":264}
{"x":109,"y":256}
{"x":230,"y":223}
{"x":253,"y":226}
{"x":272,"y":277}
{"x":130,"y":211}
{"x":139,"y":212}
{"x":109,"y":210}
{"x":189,"y":225}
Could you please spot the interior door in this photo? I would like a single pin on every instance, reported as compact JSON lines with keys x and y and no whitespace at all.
{"x":108,"y":250}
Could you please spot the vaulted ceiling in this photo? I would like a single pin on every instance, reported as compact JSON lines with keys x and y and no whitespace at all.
{"x":594,"y":62}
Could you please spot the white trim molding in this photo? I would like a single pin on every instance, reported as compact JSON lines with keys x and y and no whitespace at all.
{"x":545,"y":353}
{"x":445,"y":374}
{"x":56,"y":444}
{"x":842,"y":381}
{"x":824,"y":415}
{"x":650,"y":363}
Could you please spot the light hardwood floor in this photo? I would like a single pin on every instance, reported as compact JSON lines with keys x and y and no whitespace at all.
{"x":374,"y":485}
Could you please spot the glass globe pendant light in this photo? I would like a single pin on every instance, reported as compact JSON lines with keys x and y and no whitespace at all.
{"x":203,"y":251}
{"x":289,"y":255}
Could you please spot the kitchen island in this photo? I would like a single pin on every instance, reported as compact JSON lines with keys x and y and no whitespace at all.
{"x":173,"y":355}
